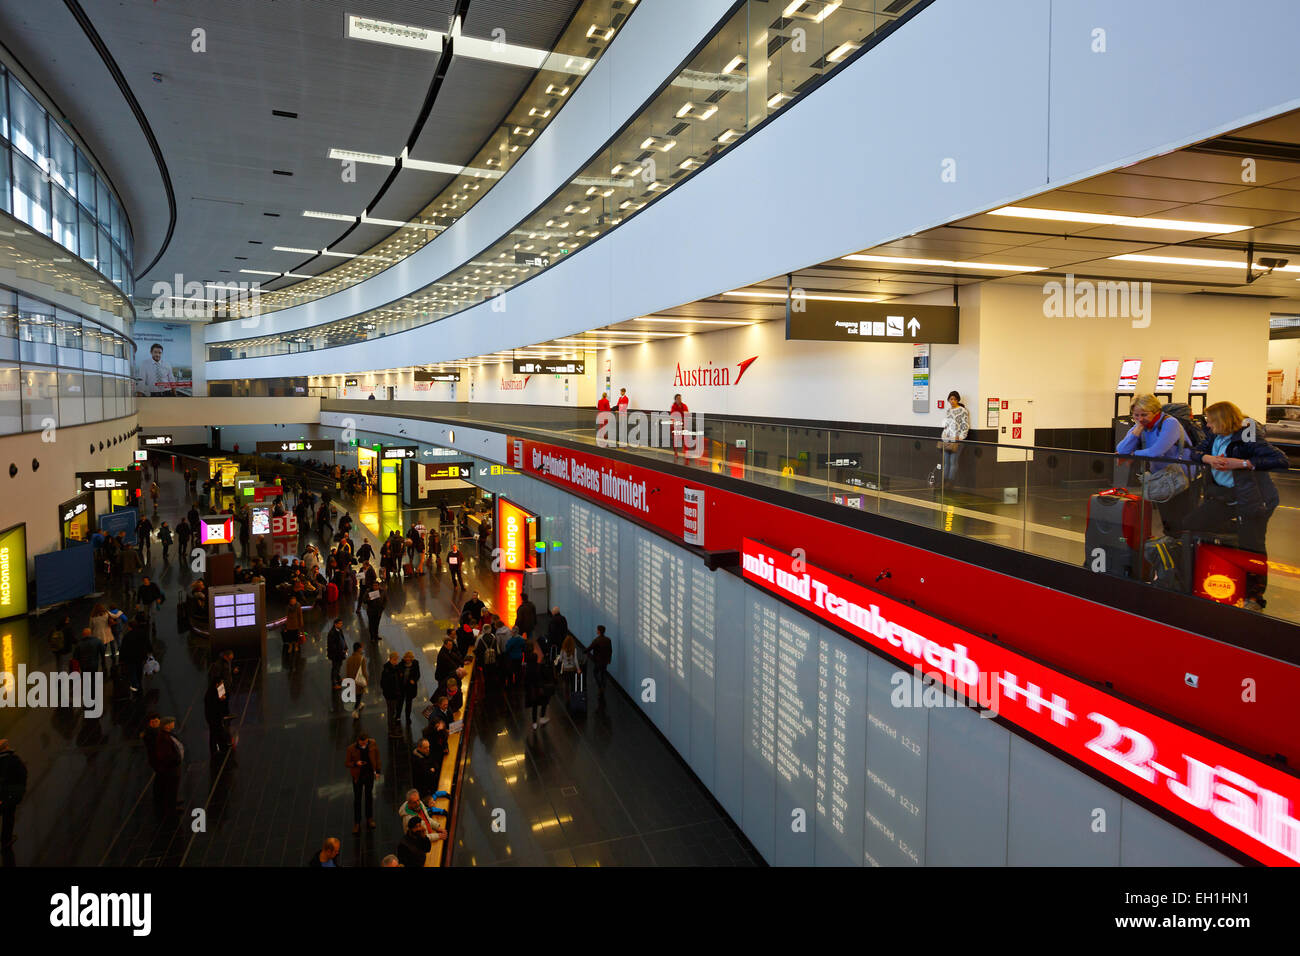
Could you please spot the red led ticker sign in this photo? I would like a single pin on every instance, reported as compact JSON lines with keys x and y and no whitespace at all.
{"x":1242,"y":801}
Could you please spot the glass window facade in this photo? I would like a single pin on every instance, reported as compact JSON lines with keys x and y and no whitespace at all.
{"x":60,"y":368}
{"x":43,"y":178}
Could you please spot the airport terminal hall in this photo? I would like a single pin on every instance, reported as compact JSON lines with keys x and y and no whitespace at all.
{"x":499,"y":434}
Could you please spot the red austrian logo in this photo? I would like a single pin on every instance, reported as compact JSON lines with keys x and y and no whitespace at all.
{"x":710,"y":374}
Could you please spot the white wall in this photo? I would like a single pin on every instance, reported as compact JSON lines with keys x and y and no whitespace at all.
{"x":1014,"y":102}
{"x":1069,"y":366}
{"x":34,"y":496}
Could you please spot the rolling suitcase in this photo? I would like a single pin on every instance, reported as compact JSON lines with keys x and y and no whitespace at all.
{"x":578,"y":695}
{"x":1118,"y":526}
{"x":1221,"y":572}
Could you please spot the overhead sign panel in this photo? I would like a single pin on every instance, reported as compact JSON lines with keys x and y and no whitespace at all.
{"x":399,"y":452}
{"x":532,"y":259}
{"x":549,"y":367}
{"x":108,"y":480}
{"x":424,"y":375}
{"x":432,"y":472}
{"x":154,"y":441}
{"x":281,"y":447}
{"x":821,"y":321}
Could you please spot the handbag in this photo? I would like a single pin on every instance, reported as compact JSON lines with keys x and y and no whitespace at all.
{"x":427,"y":712}
{"x":151,"y":666}
{"x":949,"y":446}
{"x":361,"y":679}
{"x":1164,"y":485}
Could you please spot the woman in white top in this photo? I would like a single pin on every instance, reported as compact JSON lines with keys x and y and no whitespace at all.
{"x":568,"y":662}
{"x":956,"y":427}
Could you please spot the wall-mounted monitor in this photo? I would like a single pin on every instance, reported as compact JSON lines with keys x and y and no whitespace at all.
{"x":1129,"y":370}
{"x":1201,"y":371}
{"x":1167,"y":375}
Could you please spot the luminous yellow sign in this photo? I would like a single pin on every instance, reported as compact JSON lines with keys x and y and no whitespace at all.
{"x":1219,"y":586}
{"x":13,"y":571}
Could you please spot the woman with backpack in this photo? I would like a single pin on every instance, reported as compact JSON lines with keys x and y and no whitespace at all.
{"x":1158,"y":434}
{"x":1240,"y":489}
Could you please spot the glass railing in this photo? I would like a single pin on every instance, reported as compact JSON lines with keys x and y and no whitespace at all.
{"x":1030,"y":499}
{"x":766,"y":55}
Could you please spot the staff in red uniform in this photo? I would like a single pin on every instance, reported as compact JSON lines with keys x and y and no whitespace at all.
{"x":603,"y":417}
{"x":678,"y":415}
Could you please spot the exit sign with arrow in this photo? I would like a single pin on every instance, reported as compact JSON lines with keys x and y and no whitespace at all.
{"x":837,"y":321}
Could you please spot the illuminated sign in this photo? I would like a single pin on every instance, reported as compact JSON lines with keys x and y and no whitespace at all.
{"x":229,"y":469}
{"x":485,"y":470}
{"x":1167,"y":375}
{"x":1129,"y":370}
{"x":399,"y":452}
{"x":234,"y":609}
{"x":840,"y":459}
{"x":349,"y":383}
{"x":75,"y":518}
{"x":217,"y":529}
{"x":284,"y":526}
{"x":261,"y":520}
{"x":512,"y":534}
{"x":13,"y":571}
{"x":423,"y":375}
{"x":1201,"y":371}
{"x":153,"y":441}
{"x":280,"y":447}
{"x":432,"y":472}
{"x":141,"y":455}
{"x":108,"y":480}
{"x":693,"y":516}
{"x":1242,"y":801}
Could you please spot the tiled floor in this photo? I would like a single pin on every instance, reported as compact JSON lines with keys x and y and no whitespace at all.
{"x":607,"y":792}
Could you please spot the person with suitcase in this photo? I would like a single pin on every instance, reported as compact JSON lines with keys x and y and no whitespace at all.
{"x":1240,"y":492}
{"x":1158,"y":434}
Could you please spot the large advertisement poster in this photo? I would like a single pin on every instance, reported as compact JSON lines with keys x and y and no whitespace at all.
{"x":162,"y":359}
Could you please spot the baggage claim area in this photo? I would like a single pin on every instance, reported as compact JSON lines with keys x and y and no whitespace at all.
{"x":953,"y":523}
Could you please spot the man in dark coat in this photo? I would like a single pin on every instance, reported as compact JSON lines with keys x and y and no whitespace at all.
{"x":526,"y":617}
{"x":556,"y":631}
{"x":135,"y":650}
{"x":13,"y":787}
{"x":169,"y":753}
{"x":336,"y":649}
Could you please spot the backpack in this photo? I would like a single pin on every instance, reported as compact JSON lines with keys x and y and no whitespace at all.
{"x":1182,"y":414}
{"x":331,"y":593}
{"x":489,"y":648}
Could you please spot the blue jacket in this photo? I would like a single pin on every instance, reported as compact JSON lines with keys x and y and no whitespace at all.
{"x":1163,"y":442}
{"x":1253,"y":491}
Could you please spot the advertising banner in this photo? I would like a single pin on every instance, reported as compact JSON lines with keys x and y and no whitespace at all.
{"x":162,"y":359}
{"x":512,"y":535}
{"x":13,"y":571}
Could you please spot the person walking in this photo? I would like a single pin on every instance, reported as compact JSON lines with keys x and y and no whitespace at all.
{"x":60,"y":641}
{"x":526,"y":617}
{"x":336,"y":649}
{"x":390,"y":684}
{"x":435,"y":548}
{"x":557,"y":630}
{"x":13,"y":787}
{"x":539,"y":682}
{"x":357,"y":671}
{"x":88,"y":653}
{"x":170,"y":755}
{"x":103,"y":631}
{"x":144,"y":538}
{"x":130,"y":565}
{"x":364,"y":766}
{"x":328,"y":855}
{"x":568,"y":664}
{"x":601,"y":653}
{"x":291,"y":633}
{"x":956,"y":426}
{"x":165,"y":539}
{"x":410,"y":683}
{"x":454,"y":559}
{"x":136,"y":648}
{"x":374,"y":609}
{"x":153,"y":492}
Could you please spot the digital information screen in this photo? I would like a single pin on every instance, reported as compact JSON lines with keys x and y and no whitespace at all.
{"x":217,"y":529}
{"x":824,"y":751}
{"x":261,"y":520}
{"x":234,"y":610}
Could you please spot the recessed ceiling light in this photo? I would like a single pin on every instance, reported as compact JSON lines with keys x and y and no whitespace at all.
{"x":328,"y":215}
{"x":744,"y":293}
{"x":735,"y":63}
{"x":1137,"y":222}
{"x":776,"y":99}
{"x":946,"y":263}
{"x":1195,"y":263}
{"x":840,"y":52}
{"x":308,"y":252}
{"x":727,"y":135}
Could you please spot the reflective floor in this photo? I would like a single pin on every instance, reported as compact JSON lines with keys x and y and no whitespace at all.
{"x":582,"y":794}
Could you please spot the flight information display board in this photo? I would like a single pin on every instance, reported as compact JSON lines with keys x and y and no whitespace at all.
{"x":824,"y":750}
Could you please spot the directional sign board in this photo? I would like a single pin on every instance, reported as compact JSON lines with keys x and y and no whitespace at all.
{"x":822,"y":321}
{"x":108,"y":480}
{"x":532,"y":259}
{"x":399,"y":452}
{"x":153,"y":441}
{"x":425,"y":375}
{"x":548,"y":367}
{"x":282,"y":447}
{"x":432,"y":472}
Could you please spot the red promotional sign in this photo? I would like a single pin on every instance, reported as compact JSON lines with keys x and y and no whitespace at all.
{"x":510,"y":591}
{"x":282,"y":526}
{"x":1242,"y":801}
{"x":269,"y":491}
{"x":512,"y":534}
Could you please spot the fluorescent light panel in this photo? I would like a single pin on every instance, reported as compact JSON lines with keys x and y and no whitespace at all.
{"x":1195,"y":263}
{"x":1137,"y":222}
{"x":946,"y":263}
{"x":815,"y":298}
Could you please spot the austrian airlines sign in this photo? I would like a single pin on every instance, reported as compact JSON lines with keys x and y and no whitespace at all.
{"x":1244,"y":802}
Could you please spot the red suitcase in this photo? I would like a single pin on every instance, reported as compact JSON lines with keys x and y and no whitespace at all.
{"x":1118,"y":526}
